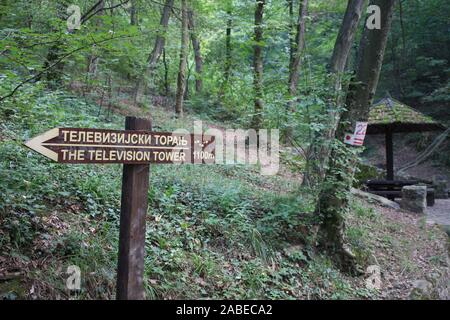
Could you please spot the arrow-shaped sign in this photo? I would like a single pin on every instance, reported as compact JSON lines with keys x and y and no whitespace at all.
{"x":37,"y":144}
{"x":81,"y":145}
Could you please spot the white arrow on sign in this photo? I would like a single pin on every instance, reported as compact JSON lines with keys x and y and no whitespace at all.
{"x":36,"y":144}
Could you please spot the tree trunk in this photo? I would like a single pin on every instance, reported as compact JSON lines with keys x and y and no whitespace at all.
{"x":341,"y":52}
{"x":166,"y":75}
{"x":181,"y":82}
{"x":258,"y":65}
{"x":334,"y":197}
{"x":296,"y":50}
{"x":93,"y":59}
{"x":228,"y":46}
{"x":373,"y":45}
{"x":346,"y":36}
{"x":156,"y":52}
{"x":228,"y":50}
{"x":54,"y":75}
{"x":290,"y":4}
{"x":299,"y":44}
{"x":197,"y":53}
{"x":133,"y":13}
{"x":186,"y":89}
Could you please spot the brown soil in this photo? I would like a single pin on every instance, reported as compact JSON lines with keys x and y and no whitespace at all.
{"x":407,"y":249}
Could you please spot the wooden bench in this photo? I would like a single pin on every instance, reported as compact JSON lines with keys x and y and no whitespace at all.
{"x":392,"y":189}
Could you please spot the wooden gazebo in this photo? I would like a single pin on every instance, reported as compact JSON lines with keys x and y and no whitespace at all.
{"x":389,"y":116}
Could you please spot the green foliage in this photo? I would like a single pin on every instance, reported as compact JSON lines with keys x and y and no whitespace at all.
{"x":416,"y":63}
{"x":366,"y":172}
{"x":211,"y":231}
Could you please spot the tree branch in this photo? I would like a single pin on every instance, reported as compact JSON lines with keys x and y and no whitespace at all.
{"x":89,"y":14}
{"x":37,"y":75}
{"x":165,"y":5}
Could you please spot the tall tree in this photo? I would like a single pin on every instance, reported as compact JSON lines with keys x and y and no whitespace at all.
{"x":133,"y":13}
{"x":181,"y":81}
{"x":297,"y":44}
{"x":346,"y":36}
{"x":197,"y":52}
{"x":290,"y":4}
{"x":54,"y":75}
{"x":334,"y":197}
{"x":166,"y":75}
{"x":156,"y":52}
{"x":297,"y":50}
{"x":336,"y":67}
{"x":93,"y":58}
{"x":258,"y":65}
{"x":228,"y":48}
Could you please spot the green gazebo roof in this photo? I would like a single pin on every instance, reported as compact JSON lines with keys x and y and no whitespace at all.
{"x":391,"y":114}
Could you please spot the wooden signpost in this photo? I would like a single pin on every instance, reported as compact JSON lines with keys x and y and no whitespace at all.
{"x":136,"y":147}
{"x":80,"y":145}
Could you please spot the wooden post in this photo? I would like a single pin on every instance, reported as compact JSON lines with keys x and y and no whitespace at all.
{"x":135,"y":181}
{"x":389,"y":155}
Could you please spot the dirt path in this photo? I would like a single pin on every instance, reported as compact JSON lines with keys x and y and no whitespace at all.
{"x":440,"y":212}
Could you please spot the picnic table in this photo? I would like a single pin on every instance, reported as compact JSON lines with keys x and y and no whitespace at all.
{"x":392,"y":189}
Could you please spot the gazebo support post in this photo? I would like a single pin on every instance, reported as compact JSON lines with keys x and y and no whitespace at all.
{"x":389,"y":155}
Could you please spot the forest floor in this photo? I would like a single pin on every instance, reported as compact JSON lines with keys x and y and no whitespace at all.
{"x":212,"y":231}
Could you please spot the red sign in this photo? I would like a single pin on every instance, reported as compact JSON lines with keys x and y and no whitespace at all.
{"x":357,"y":138}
